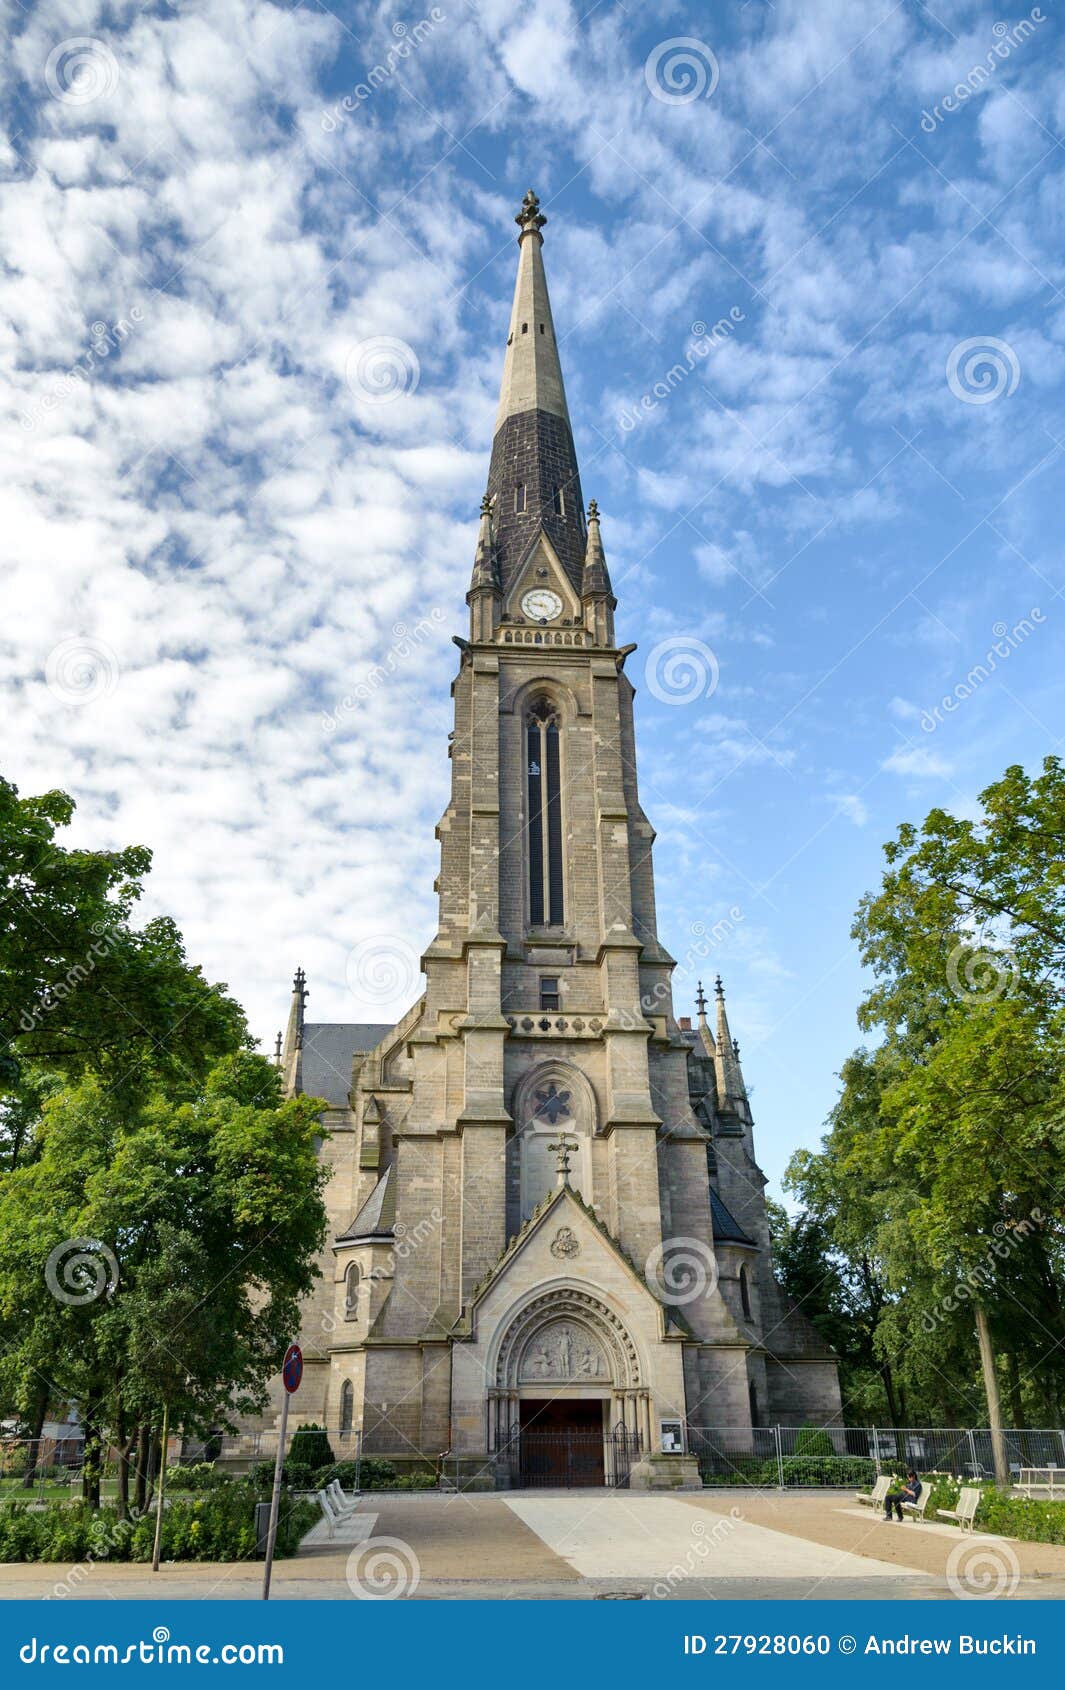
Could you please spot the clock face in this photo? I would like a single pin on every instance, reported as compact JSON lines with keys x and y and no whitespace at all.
{"x":542,"y":604}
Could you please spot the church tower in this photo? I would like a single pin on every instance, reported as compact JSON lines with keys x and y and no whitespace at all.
{"x":549,"y":1226}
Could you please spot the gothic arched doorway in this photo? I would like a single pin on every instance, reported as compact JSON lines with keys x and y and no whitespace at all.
{"x":568,"y":1406}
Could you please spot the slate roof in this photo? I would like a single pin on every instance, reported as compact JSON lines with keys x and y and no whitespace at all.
{"x":727,"y":1230}
{"x":377,"y":1217}
{"x":328,"y":1047}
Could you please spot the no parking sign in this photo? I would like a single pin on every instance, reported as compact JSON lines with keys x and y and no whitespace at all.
{"x":292,"y":1368}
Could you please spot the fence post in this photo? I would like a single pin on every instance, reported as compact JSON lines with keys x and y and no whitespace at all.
{"x":780,"y":1458}
{"x":876,"y":1452}
{"x":978,"y":1471}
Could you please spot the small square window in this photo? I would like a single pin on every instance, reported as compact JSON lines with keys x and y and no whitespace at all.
{"x":549,"y":998}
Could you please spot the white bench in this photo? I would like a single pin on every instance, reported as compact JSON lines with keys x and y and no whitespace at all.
{"x":965,"y":1513}
{"x":917,"y":1510}
{"x":876,"y":1496}
{"x":1047,"y":1481}
{"x":333,"y":1513}
{"x":346,"y":1504}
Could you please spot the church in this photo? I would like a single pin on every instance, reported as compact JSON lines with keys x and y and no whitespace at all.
{"x":549,"y":1255}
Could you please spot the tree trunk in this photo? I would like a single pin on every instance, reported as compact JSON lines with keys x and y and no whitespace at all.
{"x":39,"y":1413}
{"x":994,"y":1407}
{"x":125,"y":1450}
{"x":889,"y":1392}
{"x":92,"y":1456}
{"x":140,"y":1492}
{"x":1013,"y":1382}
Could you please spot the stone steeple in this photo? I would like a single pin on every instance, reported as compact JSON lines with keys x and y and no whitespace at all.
{"x":533,"y":480}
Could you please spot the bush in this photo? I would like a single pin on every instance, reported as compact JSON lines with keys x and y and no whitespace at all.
{"x":216,"y":1526}
{"x":198,"y":1475}
{"x":420,"y":1479}
{"x":377,"y":1475}
{"x":345,"y":1471}
{"x":810,"y":1440}
{"x":297,"y":1475}
{"x":310,"y":1448}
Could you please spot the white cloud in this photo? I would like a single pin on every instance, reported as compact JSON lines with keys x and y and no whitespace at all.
{"x":916,"y":760}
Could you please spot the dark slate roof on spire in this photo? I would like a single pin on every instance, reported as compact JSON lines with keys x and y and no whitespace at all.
{"x":533,"y":447}
{"x":377,"y":1217}
{"x":328,"y":1049}
{"x":727,"y":1229}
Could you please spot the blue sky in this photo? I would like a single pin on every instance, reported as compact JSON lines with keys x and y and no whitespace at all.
{"x":258,"y":269}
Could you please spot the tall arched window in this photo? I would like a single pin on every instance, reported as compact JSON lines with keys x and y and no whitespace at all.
{"x":351,"y":1293}
{"x":545,"y":815}
{"x":347,"y":1405}
{"x":745,"y":1292}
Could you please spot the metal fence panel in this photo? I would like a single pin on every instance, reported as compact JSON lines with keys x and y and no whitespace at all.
{"x":853,"y":1457}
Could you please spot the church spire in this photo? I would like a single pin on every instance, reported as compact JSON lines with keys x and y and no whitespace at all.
{"x":532,"y":374}
{"x":533,"y":481}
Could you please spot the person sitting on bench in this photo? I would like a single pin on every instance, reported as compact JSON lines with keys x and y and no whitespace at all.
{"x":909,"y":1492}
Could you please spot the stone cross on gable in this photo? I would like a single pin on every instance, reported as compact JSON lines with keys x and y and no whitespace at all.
{"x":564,"y":1146}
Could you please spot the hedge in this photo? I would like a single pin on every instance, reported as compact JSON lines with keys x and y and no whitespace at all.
{"x":216,"y":1526}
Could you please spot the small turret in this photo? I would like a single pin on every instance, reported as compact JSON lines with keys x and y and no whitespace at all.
{"x":483,"y":596}
{"x":731,"y":1091}
{"x":599,"y":602}
{"x":705,"y":1034}
{"x":292,"y":1054}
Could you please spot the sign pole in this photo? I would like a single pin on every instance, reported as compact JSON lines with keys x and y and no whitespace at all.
{"x":291,"y":1374}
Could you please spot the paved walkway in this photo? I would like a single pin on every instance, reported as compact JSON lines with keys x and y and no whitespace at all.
{"x":577,"y":1546}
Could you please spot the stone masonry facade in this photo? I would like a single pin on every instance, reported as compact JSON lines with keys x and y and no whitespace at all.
{"x":543,"y":1189}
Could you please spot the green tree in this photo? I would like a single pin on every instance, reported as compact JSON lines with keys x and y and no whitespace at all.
{"x":199,"y":1223}
{"x":82,"y":990}
{"x":946,"y":1155}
